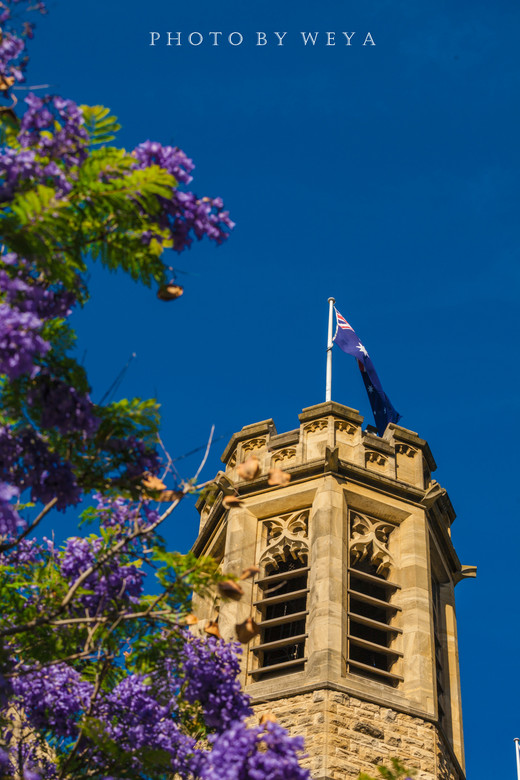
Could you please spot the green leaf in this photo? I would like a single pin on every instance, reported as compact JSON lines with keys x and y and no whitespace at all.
{"x":99,"y":124}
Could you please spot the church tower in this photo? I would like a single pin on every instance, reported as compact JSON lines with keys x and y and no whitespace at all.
{"x":357,"y":648}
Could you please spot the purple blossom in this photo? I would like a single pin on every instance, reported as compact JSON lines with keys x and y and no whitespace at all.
{"x":26,"y":462}
{"x":171,"y":158}
{"x":10,"y":520}
{"x":25,"y":552}
{"x":211,"y":667}
{"x":184,"y":214}
{"x":11,"y":49}
{"x":122,"y":513}
{"x":114,"y":581}
{"x":141,"y":458}
{"x":202,"y":216}
{"x":12,"y":44}
{"x":135,"y":719}
{"x":53,"y":697}
{"x":20,"y":342}
{"x":45,"y":473}
{"x":259,"y":753}
{"x":61,"y":406}
{"x":53,"y":127}
{"x":27,"y":294}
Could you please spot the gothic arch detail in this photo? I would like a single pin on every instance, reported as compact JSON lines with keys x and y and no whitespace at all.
{"x":282,"y":455}
{"x":375,"y":457}
{"x":405,"y":449}
{"x":345,"y":427}
{"x":287,"y":537}
{"x":369,"y":540}
{"x":233,"y":460}
{"x":253,"y":444}
{"x":317,"y":425}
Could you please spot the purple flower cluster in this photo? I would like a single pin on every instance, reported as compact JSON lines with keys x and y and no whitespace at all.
{"x":20,"y":342}
{"x":26,"y":762}
{"x":114,"y":581}
{"x":45,"y":473}
{"x":53,"y":140}
{"x":211,"y":667}
{"x":202,"y":216}
{"x":53,"y":697}
{"x":259,"y":753}
{"x":25,"y":553}
{"x":17,"y":167}
{"x":27,"y":462}
{"x":26,"y":304}
{"x":61,"y":406}
{"x":171,"y":158}
{"x":54,"y":128}
{"x":135,"y":719}
{"x":119,"y":512}
{"x":10,"y":520}
{"x":27,"y":294}
{"x":141,"y":459}
{"x":184,"y":214}
{"x":12,"y":45}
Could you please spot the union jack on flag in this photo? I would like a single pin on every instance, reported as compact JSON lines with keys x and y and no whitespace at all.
{"x":341,"y":321}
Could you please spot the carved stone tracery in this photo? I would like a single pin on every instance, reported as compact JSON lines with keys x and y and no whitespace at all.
{"x":405,"y":449}
{"x":286,"y":454}
{"x":345,"y":427}
{"x":375,"y":457}
{"x":369,"y":540}
{"x":253,"y":444}
{"x":317,"y":425}
{"x":287,"y":536}
{"x":233,"y":460}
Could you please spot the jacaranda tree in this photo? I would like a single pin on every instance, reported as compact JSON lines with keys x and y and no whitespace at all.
{"x":98,"y":678}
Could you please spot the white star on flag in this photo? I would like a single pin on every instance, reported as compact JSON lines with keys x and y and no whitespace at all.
{"x":362,"y":349}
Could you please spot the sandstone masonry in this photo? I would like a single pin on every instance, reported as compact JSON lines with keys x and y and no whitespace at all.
{"x":357,"y":648}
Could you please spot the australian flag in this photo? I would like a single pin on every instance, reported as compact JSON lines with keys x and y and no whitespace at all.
{"x":347,"y":340}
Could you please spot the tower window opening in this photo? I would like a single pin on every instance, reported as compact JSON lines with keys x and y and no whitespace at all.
{"x":283,"y":606}
{"x":439,"y":659}
{"x":372,"y":628}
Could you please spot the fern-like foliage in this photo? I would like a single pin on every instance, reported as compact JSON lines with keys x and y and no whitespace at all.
{"x":99,"y":124}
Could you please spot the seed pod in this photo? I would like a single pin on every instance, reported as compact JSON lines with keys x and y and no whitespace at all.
{"x":170,"y":495}
{"x":278,"y":477}
{"x":212,"y":629}
{"x":249,"y":468}
{"x":249,"y":572}
{"x":152,"y":482}
{"x":268,"y":717}
{"x":169,"y":292}
{"x":247,"y":630}
{"x":229,"y":502}
{"x":230,"y":590}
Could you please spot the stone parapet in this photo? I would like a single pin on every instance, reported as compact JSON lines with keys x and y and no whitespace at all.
{"x":399,"y":455}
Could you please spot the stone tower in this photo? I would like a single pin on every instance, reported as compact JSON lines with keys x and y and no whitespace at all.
{"x":357,"y":650}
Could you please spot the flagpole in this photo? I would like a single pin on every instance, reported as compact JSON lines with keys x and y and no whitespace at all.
{"x":328,"y":383}
{"x":517,"y":751}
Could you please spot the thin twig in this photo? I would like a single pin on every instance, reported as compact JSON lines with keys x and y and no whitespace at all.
{"x":36,"y":86}
{"x":97,"y":687}
{"x":46,"y":509}
{"x":12,"y":630}
{"x":204,"y":459}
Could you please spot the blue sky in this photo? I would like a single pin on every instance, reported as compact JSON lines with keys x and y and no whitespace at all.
{"x":385,"y":176}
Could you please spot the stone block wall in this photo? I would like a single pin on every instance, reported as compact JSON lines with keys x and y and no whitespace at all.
{"x":345,"y":736}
